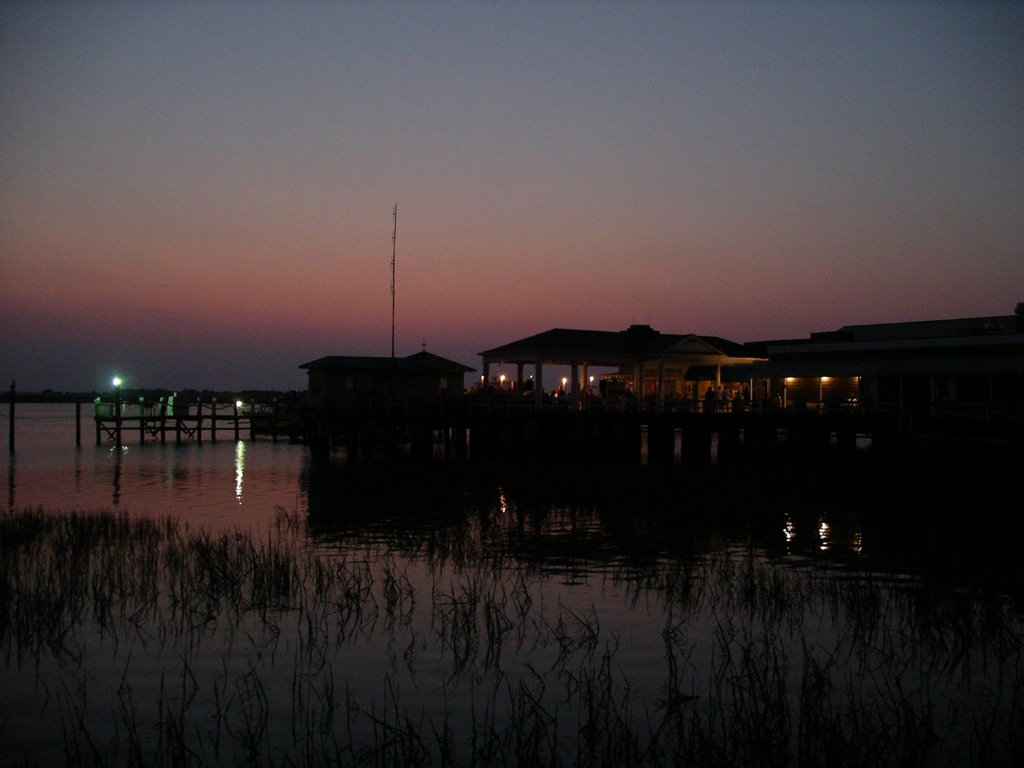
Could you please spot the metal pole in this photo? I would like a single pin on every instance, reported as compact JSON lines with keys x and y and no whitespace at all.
{"x":394,"y":240}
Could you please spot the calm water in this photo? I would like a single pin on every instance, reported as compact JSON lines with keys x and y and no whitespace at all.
{"x":422,"y":615}
{"x":226,"y":484}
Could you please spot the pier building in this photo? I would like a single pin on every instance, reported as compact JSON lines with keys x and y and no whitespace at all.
{"x":671,"y":397}
{"x":963,"y":374}
{"x":371,"y":403}
{"x":346,"y":380}
{"x":650,"y":367}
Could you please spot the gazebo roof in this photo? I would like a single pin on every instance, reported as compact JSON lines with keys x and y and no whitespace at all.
{"x":638,"y":343}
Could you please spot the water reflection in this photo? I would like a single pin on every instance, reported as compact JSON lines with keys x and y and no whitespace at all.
{"x":570,"y":525}
{"x":239,"y":469}
{"x":830,"y":532}
{"x":558,"y":522}
{"x":553,"y":514}
{"x":76,"y":472}
{"x":10,"y":482}
{"x":445,"y":578}
{"x":426,"y":637}
{"x":116,"y":454}
{"x":824,"y":531}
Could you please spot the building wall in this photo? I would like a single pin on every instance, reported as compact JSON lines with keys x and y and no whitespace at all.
{"x":340,"y":386}
{"x":826,"y":391}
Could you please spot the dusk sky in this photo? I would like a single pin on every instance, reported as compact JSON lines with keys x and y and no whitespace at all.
{"x":200,"y":194}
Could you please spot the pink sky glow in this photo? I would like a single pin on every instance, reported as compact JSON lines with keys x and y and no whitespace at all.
{"x":201,"y":196}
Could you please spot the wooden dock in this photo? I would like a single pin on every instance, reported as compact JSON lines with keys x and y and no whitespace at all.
{"x":164,"y":420}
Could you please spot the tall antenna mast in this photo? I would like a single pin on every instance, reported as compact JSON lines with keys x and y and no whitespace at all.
{"x":394,"y":239}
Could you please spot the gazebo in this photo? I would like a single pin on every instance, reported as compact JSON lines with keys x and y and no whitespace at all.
{"x":656,"y":364}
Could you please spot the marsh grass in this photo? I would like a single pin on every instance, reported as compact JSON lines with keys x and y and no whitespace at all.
{"x":141,"y":642}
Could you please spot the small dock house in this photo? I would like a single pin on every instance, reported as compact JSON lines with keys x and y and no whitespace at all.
{"x":339,"y":380}
{"x":366,"y":403}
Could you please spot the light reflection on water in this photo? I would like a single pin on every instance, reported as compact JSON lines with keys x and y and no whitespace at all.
{"x":223,"y":484}
{"x":239,"y":468}
{"x":439,"y":565}
{"x":243,"y":485}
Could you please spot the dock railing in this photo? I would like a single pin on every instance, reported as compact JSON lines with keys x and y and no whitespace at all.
{"x":194,"y":419}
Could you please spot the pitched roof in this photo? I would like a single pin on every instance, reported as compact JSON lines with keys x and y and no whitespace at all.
{"x":421,"y":362}
{"x":636,"y":343}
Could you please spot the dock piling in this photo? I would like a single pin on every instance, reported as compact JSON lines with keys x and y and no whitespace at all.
{"x":10,"y":423}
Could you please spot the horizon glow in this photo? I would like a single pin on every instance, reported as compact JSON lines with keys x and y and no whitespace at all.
{"x":203,"y":195}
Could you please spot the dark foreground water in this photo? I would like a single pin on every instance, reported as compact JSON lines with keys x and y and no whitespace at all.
{"x":236,"y":603}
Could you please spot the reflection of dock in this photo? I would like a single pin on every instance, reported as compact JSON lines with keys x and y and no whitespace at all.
{"x":164,"y":419}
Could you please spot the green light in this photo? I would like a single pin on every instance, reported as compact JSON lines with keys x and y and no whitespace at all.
{"x":116,"y":381}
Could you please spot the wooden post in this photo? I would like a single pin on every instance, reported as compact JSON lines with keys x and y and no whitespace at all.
{"x":78,"y":424}
{"x":235,"y":406}
{"x":273,"y":422}
{"x":117,"y":416}
{"x":10,"y":422}
{"x":252,"y":421}
{"x":199,"y":420}
{"x":213,"y":420}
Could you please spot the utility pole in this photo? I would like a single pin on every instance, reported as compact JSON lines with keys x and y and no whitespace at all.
{"x":394,"y":239}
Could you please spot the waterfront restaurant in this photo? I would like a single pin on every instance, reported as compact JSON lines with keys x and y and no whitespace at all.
{"x":968,"y":367}
{"x":651,"y":367}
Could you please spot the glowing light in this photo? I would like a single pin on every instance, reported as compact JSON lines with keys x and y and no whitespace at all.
{"x":116,"y":381}
{"x":239,"y":469}
{"x":238,"y":404}
{"x":824,"y":530}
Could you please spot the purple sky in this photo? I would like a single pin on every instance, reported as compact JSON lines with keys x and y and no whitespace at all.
{"x":200,"y":195}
